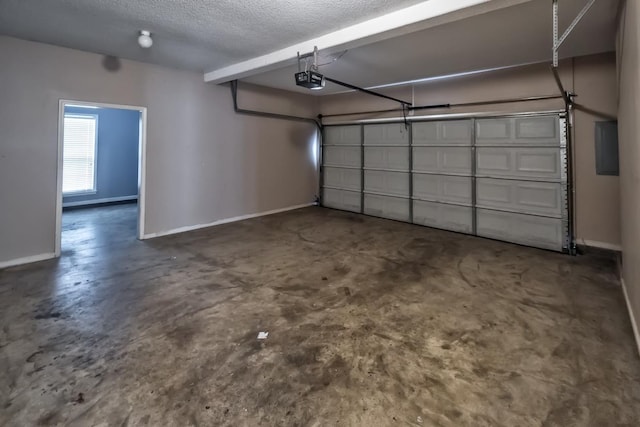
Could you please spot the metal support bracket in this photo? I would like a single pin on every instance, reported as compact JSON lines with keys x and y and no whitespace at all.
{"x":557,"y":41}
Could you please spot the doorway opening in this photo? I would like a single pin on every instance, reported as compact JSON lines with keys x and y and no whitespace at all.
{"x":101,"y":164}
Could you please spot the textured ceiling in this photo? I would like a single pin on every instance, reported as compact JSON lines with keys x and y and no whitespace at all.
{"x":192,"y":34}
{"x":201,"y":35}
{"x":511,"y":36}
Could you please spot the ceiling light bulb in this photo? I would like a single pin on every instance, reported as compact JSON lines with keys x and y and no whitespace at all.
{"x":144,"y":40}
{"x":319,"y":87}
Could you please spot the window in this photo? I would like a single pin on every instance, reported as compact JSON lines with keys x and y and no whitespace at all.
{"x":79,"y":166}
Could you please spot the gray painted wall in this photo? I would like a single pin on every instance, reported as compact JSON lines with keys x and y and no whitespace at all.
{"x":629,"y":134}
{"x":118,"y":142}
{"x":592,"y":77}
{"x":204,"y":162}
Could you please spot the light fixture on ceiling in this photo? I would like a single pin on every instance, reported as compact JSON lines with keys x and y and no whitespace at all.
{"x":144,"y":40}
{"x":322,"y":83}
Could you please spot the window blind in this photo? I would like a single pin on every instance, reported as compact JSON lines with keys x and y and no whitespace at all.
{"x":78,"y":173}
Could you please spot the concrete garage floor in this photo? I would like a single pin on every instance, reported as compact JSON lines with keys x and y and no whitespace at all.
{"x":371,"y":323}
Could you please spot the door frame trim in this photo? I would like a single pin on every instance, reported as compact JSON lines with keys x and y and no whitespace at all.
{"x":142,"y":163}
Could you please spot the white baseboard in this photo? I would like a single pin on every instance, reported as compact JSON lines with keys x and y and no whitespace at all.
{"x":26,"y":260}
{"x":601,"y":245}
{"x":98,"y":201}
{"x":634,"y":325}
{"x":224,"y":221}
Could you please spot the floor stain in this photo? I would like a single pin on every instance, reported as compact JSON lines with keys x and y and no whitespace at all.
{"x":371,"y":323}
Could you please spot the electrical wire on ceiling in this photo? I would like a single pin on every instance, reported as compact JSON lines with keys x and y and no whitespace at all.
{"x":340,"y":55}
{"x":336,"y":58}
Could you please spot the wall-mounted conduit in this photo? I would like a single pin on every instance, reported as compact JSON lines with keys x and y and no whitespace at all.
{"x":238,"y":110}
{"x":318,"y":124}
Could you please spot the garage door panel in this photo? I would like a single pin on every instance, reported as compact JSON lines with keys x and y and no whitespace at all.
{"x":342,"y":156}
{"x":395,"y":183}
{"x":510,"y":162}
{"x":440,"y":215}
{"x":342,"y":135}
{"x":394,"y":158}
{"x":342,"y":178}
{"x":537,"y":129}
{"x":387,"y":207}
{"x":518,"y":131}
{"x":542,"y":198}
{"x":442,"y":188}
{"x":500,"y":177}
{"x":454,"y":132}
{"x":539,"y":162}
{"x":386,"y":134}
{"x":524,"y":229}
{"x":493,"y":131}
{"x":454,"y":160}
{"x":425,"y":133}
{"x":341,"y":199}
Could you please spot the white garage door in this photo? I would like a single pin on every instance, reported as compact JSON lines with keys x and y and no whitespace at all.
{"x":442,"y":175}
{"x":520,"y":180}
{"x":386,"y":171}
{"x":502,"y":178}
{"x":342,"y":168}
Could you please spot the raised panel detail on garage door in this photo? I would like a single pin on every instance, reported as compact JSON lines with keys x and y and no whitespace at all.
{"x":446,"y":160}
{"x":527,"y":230}
{"x":387,"y":158}
{"x":341,"y":199}
{"x":383,"y":182}
{"x":342,"y":156}
{"x":519,"y":163}
{"x":442,"y":169}
{"x":453,"y":132}
{"x":498,"y":177}
{"x":440,"y":215}
{"x":386,"y":134}
{"x":541,"y":198}
{"x":442,"y":188}
{"x":518,"y":131}
{"x":342,"y":135}
{"x":387,"y":207}
{"x":342,"y":168}
{"x":341,"y":178}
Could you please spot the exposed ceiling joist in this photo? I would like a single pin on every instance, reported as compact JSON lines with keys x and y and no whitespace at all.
{"x":424,"y":15}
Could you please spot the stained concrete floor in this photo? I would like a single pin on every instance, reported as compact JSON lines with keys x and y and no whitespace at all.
{"x":371,"y":323}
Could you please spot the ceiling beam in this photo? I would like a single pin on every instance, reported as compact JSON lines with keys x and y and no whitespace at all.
{"x":421,"y":16}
